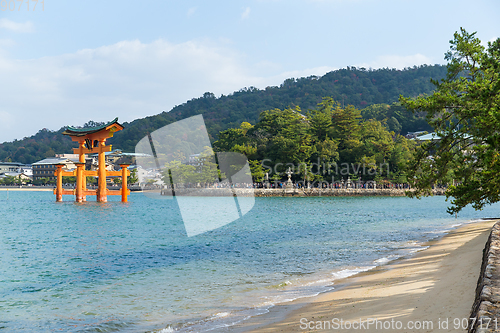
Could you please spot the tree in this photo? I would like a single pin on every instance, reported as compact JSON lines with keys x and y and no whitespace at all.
{"x":245,"y":126}
{"x":210,"y":172}
{"x":69,"y":179}
{"x":230,"y":137}
{"x":180,"y":173}
{"x":394,"y":125}
{"x":42,"y":181}
{"x":465,"y":113}
{"x":347,"y":131}
{"x":282,"y":136}
{"x":321,"y":119}
{"x":133,"y":178}
{"x":257,"y":171}
{"x":9,"y":180}
{"x":91,"y":180}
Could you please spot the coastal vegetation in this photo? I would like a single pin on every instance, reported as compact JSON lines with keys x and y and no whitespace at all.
{"x":464,"y":110}
{"x":327,"y":143}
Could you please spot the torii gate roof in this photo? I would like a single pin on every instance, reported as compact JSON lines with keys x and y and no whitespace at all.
{"x":112,"y":126}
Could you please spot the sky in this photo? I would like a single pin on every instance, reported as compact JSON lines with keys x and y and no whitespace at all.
{"x":67,"y":62}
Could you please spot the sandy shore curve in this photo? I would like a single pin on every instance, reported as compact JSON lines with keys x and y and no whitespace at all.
{"x":432,"y":291}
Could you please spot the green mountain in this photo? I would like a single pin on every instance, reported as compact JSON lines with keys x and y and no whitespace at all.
{"x":362,"y":88}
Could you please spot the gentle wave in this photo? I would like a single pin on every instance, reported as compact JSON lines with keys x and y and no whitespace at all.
{"x":305,"y":290}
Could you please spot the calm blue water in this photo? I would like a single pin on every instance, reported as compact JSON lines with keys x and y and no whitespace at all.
{"x":130,"y":267}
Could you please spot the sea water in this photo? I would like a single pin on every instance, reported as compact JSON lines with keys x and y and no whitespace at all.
{"x":130,"y":267}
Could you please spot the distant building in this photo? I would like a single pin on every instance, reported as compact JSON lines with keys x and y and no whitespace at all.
{"x":195,"y":160}
{"x":427,"y":137}
{"x":73,"y":157}
{"x":413,"y":135}
{"x":19,"y":175}
{"x":45,"y":168}
{"x":27,"y":171}
{"x":113,"y":160}
{"x":6,"y":167}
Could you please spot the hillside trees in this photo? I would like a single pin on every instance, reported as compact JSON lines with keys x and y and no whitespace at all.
{"x":359,"y":87}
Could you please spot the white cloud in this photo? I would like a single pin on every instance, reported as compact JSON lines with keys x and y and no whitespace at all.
{"x":485,"y":43}
{"x":245,"y":14}
{"x":128,"y":79}
{"x":397,"y":61}
{"x":16,"y":27}
{"x":191,"y":11}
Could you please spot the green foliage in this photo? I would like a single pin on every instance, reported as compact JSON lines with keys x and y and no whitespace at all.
{"x":320,"y":119}
{"x":258,"y":172}
{"x":347,"y":132}
{"x":133,"y":178}
{"x":44,"y":181}
{"x":397,"y":118}
{"x":205,"y":171}
{"x":69,"y":180}
{"x":229,"y":138}
{"x":9,"y":180}
{"x":465,"y":112}
{"x":178,"y":172}
{"x":314,"y":143}
{"x":91,"y":180}
{"x":282,"y":136}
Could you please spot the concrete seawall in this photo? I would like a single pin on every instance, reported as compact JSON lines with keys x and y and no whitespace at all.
{"x":316,"y":192}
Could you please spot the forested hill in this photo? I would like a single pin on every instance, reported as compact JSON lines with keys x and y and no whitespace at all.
{"x":355,"y":86}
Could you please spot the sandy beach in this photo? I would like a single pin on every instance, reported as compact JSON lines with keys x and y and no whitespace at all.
{"x":432,"y":291}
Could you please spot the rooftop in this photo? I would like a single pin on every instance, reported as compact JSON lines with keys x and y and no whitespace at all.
{"x":54,"y":160}
{"x":13,"y":164}
{"x":426,"y":137}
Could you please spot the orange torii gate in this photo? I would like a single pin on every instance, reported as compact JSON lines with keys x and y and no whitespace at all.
{"x":90,"y":141}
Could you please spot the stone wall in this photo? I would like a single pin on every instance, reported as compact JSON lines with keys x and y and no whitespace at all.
{"x":486,"y":308}
{"x":316,"y":192}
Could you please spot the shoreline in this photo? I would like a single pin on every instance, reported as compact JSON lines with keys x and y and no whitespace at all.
{"x":259,"y":193}
{"x":38,"y":189}
{"x":435,"y":286}
{"x":284,"y":192}
{"x":337,"y":192}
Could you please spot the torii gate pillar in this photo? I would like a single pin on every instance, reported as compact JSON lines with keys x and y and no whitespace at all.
{"x":101,"y":158}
